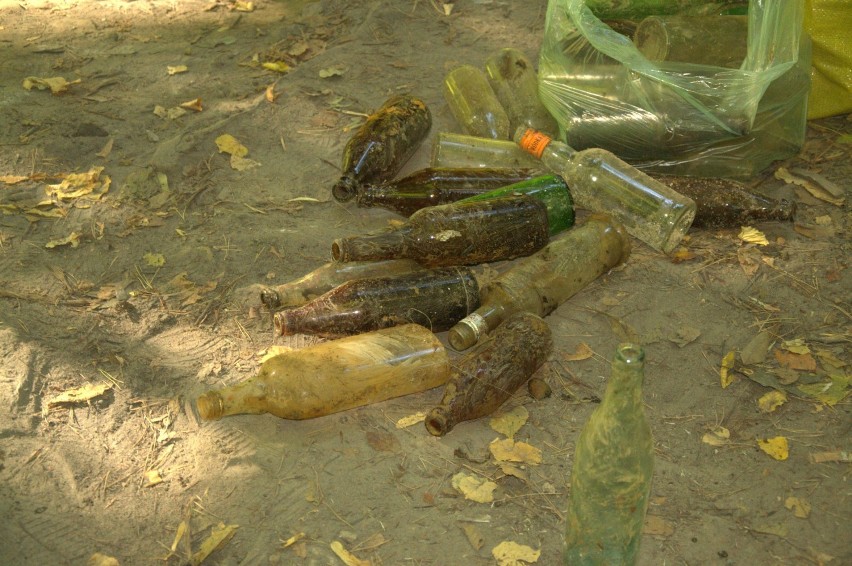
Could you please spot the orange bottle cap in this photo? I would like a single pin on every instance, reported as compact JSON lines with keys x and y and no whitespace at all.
{"x":534,"y":142}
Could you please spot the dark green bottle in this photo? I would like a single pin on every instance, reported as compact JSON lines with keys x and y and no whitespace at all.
{"x":382,"y":145}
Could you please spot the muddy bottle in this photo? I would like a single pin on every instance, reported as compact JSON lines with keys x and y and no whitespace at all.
{"x":601,"y":182}
{"x":543,"y":281}
{"x":336,"y":375}
{"x":513,"y":79}
{"x":714,"y":40}
{"x":382,"y":145}
{"x":327,"y":277}
{"x":434,"y":298}
{"x":726,"y":203}
{"x":489,"y":374}
{"x":457,"y":234}
{"x":436,"y":185}
{"x":612,"y":470}
{"x":474,"y":104}
{"x":460,"y":150}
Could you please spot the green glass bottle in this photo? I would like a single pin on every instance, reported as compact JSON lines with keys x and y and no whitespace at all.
{"x":612,"y":471}
{"x":513,"y":79}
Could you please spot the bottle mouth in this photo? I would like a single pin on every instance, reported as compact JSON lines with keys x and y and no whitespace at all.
{"x":437,"y":422}
{"x":344,"y":189}
{"x":336,"y":251}
{"x":210,"y":406}
{"x":630,"y":353}
{"x":270,"y":298}
{"x":279,"y":321}
{"x":679,"y":228}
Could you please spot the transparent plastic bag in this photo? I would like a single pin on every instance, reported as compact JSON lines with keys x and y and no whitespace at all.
{"x":675,"y":117}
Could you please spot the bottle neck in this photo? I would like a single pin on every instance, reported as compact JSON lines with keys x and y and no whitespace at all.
{"x":246,"y":398}
{"x":386,"y":245}
{"x":623,"y":395}
{"x":469,"y":330}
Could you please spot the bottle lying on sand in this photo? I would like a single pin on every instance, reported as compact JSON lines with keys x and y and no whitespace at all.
{"x":474,"y":104}
{"x":461,"y":150}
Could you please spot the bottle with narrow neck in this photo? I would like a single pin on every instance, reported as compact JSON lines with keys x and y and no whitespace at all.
{"x":543,"y":281}
{"x":612,"y":471}
{"x":336,"y":375}
{"x":461,"y":150}
{"x":437,"y":185}
{"x":382,"y":145}
{"x":457,"y":234}
{"x":434,"y":298}
{"x":474,"y":104}
{"x":601,"y":182}
{"x":327,"y":277}
{"x":484,"y":378}
{"x":513,"y":79}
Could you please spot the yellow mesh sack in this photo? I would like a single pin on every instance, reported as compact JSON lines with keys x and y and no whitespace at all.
{"x":828,"y":22}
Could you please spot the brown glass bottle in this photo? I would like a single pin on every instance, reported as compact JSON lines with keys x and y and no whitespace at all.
{"x":434,"y":298}
{"x":436,"y":185}
{"x":327,"y":277}
{"x":457,"y":234}
{"x":543,"y":281}
{"x":726,"y":203}
{"x":336,"y":375}
{"x":489,"y":374}
{"x":382,"y":145}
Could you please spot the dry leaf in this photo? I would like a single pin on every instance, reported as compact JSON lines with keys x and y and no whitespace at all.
{"x":582,"y":352}
{"x":725,"y":375}
{"x":243,"y":163}
{"x":347,"y":557}
{"x":799,"y":507}
{"x":241,"y":6}
{"x":76,"y":185}
{"x":12,"y":179}
{"x":333,"y":71}
{"x":270,"y":94}
{"x":229,"y":144}
{"x":718,"y":436}
{"x":749,"y":260}
{"x":797,"y":346}
{"x":292,"y":540}
{"x":509,"y":553}
{"x":194,"y":104}
{"x":218,"y":538}
{"x":152,"y":478}
{"x":98,"y":559}
{"x":73,"y":238}
{"x":55,"y":84}
{"x":831,"y":392}
{"x":751,"y":235}
{"x":790,"y":360}
{"x":831,"y":456}
{"x":771,"y":401}
{"x":154,"y":260}
{"x":509,"y":423}
{"x":682,"y":254}
{"x":80,"y":394}
{"x":814,"y":183}
{"x":507,"y":450}
{"x":277,"y":66}
{"x":657,"y":526}
{"x":411,"y":420}
{"x":177,"y":69}
{"x":776,"y":447}
{"x":382,"y":441}
{"x":474,"y":537}
{"x":514,"y":470}
{"x":474,"y":487}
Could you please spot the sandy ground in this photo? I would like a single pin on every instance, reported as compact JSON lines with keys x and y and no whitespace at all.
{"x":148,"y":284}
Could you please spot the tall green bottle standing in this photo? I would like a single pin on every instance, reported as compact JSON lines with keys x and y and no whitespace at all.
{"x":383,"y":144}
{"x":611,"y":476}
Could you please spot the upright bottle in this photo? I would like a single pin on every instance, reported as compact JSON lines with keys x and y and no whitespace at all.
{"x":513,"y":79}
{"x":460,"y":150}
{"x":474,"y":105}
{"x":336,"y":375}
{"x":436,"y":185}
{"x":543,"y":281}
{"x":601,"y":182}
{"x":611,"y":475}
{"x":434,"y":298}
{"x":489,"y":374}
{"x":327,"y":277}
{"x":457,"y":234}
{"x":382,"y":145}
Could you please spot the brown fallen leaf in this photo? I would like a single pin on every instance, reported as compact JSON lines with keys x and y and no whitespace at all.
{"x":582,"y":352}
{"x":474,"y":537}
{"x":382,"y":441}
{"x":792,"y":360}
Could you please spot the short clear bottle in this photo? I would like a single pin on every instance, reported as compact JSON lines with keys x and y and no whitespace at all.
{"x":461,"y":150}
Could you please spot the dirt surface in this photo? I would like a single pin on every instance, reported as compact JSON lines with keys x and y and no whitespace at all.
{"x":148,"y":284}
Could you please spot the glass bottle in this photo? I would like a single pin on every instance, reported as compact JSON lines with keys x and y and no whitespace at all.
{"x":513,"y":79}
{"x":437,"y":185}
{"x":489,"y":374}
{"x":543,"y":281}
{"x":474,"y":105}
{"x":327,"y":277}
{"x":461,"y":150}
{"x":336,"y":375}
{"x":601,"y":182}
{"x":612,"y":470}
{"x":434,"y":298}
{"x":726,"y":203}
{"x":457,"y":234}
{"x":382,"y":145}
{"x":719,"y":41}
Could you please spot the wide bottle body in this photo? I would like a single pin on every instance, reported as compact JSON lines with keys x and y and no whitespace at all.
{"x":461,"y":150}
{"x":474,"y":104}
{"x":434,"y":298}
{"x":337,"y":375}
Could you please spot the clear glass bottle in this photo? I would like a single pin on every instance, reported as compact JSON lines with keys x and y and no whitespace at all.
{"x":327,"y":277}
{"x":457,"y":234}
{"x":489,"y":374}
{"x":601,"y":182}
{"x":719,"y":41}
{"x":336,"y":375}
{"x":434,"y":298}
{"x":474,"y":105}
{"x":543,"y":281}
{"x":461,"y":150}
{"x":513,"y":79}
{"x":612,"y":471}
{"x":382,"y":145}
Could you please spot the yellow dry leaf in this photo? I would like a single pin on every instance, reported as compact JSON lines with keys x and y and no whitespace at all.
{"x":80,"y":394}
{"x":411,"y":420}
{"x":347,"y":557}
{"x":181,"y":530}
{"x":292,"y":540}
{"x":799,"y":507}
{"x":751,"y":235}
{"x":509,"y":553}
{"x":277,"y":66}
{"x":98,"y":559}
{"x":515,"y":470}
{"x":776,"y":447}
{"x":229,"y":144}
{"x":218,"y":538}
{"x":152,"y":478}
{"x":241,"y":6}
{"x":474,"y":537}
{"x":194,"y":104}
{"x":725,"y":375}
{"x":718,"y":436}
{"x":107,"y":149}
{"x":797,"y":346}
{"x":817,"y":185}
{"x":55,"y":84}
{"x":333,"y":71}
{"x":509,"y":423}
{"x":507,"y":450}
{"x":474,"y":487}
{"x":271,"y":95}
{"x":582,"y":352}
{"x":154,"y":260}
{"x":12,"y":179}
{"x":177,"y":69}
{"x":76,"y":185}
{"x":73,"y":238}
{"x":771,"y":401}
{"x":239,"y":163}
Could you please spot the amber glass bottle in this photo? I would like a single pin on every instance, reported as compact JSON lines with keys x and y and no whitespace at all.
{"x":336,"y":375}
{"x":543,"y":281}
{"x":488,"y":375}
{"x":436,"y":185}
{"x":457,"y":234}
{"x":612,"y":471}
{"x":513,"y":79}
{"x":434,"y":298}
{"x":382,"y":145}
